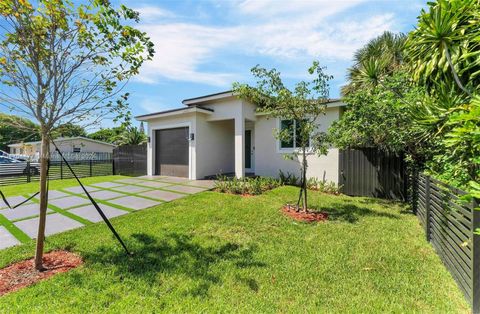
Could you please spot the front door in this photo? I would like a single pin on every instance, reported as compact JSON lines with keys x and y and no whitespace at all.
{"x":249,"y":149}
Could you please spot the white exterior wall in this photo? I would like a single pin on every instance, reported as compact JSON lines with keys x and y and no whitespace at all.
{"x":219,"y":142}
{"x":238,"y":110}
{"x":85,"y":146}
{"x":215,"y":149}
{"x":269,"y":158}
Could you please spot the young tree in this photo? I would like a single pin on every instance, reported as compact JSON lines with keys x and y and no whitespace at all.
{"x":61,"y":62}
{"x":302,"y":105}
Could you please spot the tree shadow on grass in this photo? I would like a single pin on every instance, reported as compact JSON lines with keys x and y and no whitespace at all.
{"x":351,"y":213}
{"x":176,"y":254}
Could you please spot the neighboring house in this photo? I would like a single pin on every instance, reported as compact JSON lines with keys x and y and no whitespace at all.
{"x":77,"y":144}
{"x":220,"y":133}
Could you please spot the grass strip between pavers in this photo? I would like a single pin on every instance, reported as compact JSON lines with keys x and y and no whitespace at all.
{"x":67,"y":214}
{"x":136,"y":194}
{"x":14,"y":230}
{"x":104,"y":202}
{"x":30,"y":217}
{"x":187,"y":183}
{"x":166,"y":188}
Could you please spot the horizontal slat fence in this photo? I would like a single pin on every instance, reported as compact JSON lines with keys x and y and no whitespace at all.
{"x":449,"y":226}
{"x":373,"y":173}
{"x":130,"y":160}
{"x":30,"y":171}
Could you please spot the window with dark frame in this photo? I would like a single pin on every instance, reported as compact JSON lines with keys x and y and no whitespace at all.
{"x":293,"y":127}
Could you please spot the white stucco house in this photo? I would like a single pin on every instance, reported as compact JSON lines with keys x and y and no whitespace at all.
{"x":220,"y":133}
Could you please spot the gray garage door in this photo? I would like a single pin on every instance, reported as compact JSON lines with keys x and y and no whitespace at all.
{"x":171,"y":151}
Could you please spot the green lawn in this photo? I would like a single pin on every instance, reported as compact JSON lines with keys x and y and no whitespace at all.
{"x":224,"y":253}
{"x":32,"y":187}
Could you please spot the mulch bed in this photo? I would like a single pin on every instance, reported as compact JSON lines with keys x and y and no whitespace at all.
{"x":308,"y":216}
{"x":24,"y":274}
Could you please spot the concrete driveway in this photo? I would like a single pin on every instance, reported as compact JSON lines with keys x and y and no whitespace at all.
{"x":70,"y":208}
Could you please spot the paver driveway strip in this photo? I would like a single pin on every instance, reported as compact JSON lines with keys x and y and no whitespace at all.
{"x":130,"y":181}
{"x":13,"y":200}
{"x":6,"y":239}
{"x":55,"y":223}
{"x":23,"y":211}
{"x":162,"y":195}
{"x":186,"y":189}
{"x":107,"y":185}
{"x":116,"y":193}
{"x":151,"y":177}
{"x":174,"y":179}
{"x":78,"y":189}
{"x":67,"y":202}
{"x":134,"y":202}
{"x":131,"y":189}
{"x":153,"y":184}
{"x":209,"y":184}
{"x":105,"y":195}
{"x":90,"y":213}
{"x":53,"y":194}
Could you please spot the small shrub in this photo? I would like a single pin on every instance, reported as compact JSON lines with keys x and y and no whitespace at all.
{"x":323,"y":186}
{"x":249,"y":186}
{"x":288,"y":178}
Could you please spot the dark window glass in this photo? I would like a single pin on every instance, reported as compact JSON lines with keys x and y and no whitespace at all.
{"x":298,"y":135}
{"x":287,"y":125}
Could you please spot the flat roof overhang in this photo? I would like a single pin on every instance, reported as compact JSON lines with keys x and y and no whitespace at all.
{"x":173,"y":112}
{"x":207,"y":98}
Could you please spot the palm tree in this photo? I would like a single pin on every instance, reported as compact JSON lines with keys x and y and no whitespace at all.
{"x":444,"y":46}
{"x":379,"y":57}
{"x":132,"y":136}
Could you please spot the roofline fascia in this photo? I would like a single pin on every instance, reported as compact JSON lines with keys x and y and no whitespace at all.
{"x":172,"y":113}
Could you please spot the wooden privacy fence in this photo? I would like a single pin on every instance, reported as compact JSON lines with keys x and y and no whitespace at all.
{"x":130,"y":160}
{"x":374,"y":173}
{"x":449,"y":226}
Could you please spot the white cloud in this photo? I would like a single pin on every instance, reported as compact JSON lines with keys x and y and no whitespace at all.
{"x":275,"y":8}
{"x":153,"y":13}
{"x":294,"y":30}
{"x":181,"y":48}
{"x":337,"y":41}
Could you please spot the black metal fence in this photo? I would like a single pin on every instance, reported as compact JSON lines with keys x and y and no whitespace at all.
{"x":371,"y":172}
{"x":24,"y":172}
{"x":130,"y":160}
{"x":449,"y":226}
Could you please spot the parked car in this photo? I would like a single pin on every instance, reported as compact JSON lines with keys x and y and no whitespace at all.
{"x":13,"y":167}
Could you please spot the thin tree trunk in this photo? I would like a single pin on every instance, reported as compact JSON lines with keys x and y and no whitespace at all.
{"x":44,"y":159}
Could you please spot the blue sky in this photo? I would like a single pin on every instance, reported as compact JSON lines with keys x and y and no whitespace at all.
{"x":204,"y":46}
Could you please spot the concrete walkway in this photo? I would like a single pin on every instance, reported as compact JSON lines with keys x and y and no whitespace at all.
{"x":70,"y":208}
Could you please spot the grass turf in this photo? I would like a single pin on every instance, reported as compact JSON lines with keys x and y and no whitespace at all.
{"x":214,"y":252}
{"x":32,"y":187}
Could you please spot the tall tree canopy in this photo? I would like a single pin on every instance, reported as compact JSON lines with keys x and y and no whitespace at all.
{"x":14,"y":129}
{"x":69,"y":130}
{"x":62,"y":62}
{"x":444,"y":56}
{"x":379,"y":58}
{"x":378,"y":94}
